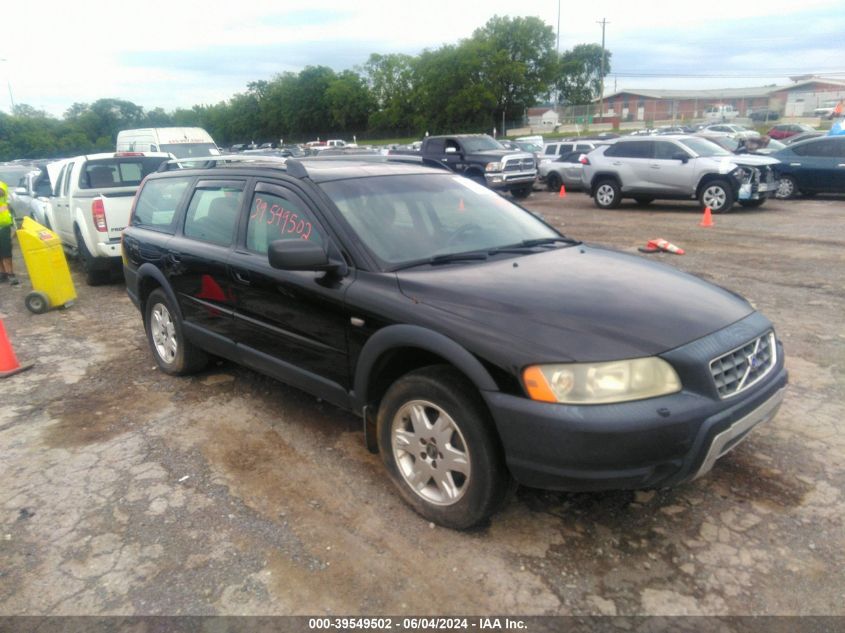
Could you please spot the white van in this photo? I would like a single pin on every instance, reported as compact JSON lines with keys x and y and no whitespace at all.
{"x":182,"y":142}
{"x":720,"y":113}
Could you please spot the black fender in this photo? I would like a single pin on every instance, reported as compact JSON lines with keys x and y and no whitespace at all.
{"x":149,"y":270}
{"x":396,"y":336}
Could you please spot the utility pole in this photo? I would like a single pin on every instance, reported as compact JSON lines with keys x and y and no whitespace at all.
{"x":9,"y":86}
{"x":603,"y":23}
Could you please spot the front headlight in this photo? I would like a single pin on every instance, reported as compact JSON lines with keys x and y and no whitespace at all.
{"x":601,"y":383}
{"x":493,"y":167}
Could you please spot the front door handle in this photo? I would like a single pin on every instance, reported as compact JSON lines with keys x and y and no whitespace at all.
{"x":242,"y":277}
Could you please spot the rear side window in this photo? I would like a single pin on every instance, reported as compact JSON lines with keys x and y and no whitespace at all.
{"x":822,"y":148}
{"x":157,"y":203}
{"x":278,"y":215}
{"x":631,"y":149}
{"x":117,"y":172}
{"x":213,"y":213}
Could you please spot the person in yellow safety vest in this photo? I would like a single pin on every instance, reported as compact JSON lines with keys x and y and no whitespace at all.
{"x":7,"y":273}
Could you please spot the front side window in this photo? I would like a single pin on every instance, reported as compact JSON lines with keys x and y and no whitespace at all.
{"x":666,"y":151}
{"x":213,"y":213}
{"x":403,"y":219}
{"x":703,"y":147}
{"x":158,"y":201}
{"x":278,"y":215}
{"x":481,"y":144}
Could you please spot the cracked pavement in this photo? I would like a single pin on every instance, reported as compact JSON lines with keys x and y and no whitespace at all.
{"x":126,"y":491}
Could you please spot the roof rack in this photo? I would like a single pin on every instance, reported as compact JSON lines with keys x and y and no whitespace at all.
{"x":296,"y":167}
{"x":209,"y":162}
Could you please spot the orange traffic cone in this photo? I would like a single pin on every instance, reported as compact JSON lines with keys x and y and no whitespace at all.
{"x":562,"y":193}
{"x":9,"y":364}
{"x":654,"y":246}
{"x":707,"y":220}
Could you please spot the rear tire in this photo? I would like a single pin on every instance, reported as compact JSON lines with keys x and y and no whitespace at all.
{"x":607,"y":194}
{"x":554,"y":181}
{"x":173,"y":353}
{"x":440,"y":449}
{"x":787,"y":188}
{"x":95,"y":275}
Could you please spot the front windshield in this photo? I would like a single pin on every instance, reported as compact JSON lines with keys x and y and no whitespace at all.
{"x":403,"y":219}
{"x":190,"y":150}
{"x":529,"y":147}
{"x":703,"y":147}
{"x":480,"y":143}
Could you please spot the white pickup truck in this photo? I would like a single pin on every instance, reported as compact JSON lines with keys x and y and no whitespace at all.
{"x":91,"y":202}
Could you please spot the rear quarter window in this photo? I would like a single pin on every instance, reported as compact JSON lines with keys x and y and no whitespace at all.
{"x":117,"y":172}
{"x":157,"y":203}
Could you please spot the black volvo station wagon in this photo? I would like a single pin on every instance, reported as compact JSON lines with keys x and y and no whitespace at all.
{"x":479,"y":345}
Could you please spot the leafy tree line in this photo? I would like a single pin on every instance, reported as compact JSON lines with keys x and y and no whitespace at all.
{"x":505,"y":67}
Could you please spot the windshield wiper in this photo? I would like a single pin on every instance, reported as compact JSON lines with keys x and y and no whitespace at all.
{"x":447,"y":258}
{"x":525,"y":245}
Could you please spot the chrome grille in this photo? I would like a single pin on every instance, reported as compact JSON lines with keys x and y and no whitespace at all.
{"x":744,"y":366}
{"x":519,"y":164}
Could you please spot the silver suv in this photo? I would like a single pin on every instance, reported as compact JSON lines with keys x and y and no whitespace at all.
{"x":677,"y":167}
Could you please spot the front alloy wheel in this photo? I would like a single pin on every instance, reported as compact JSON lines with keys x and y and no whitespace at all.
{"x":440,"y":448}
{"x":431,"y":452}
{"x":787,"y":188}
{"x":718,"y":196}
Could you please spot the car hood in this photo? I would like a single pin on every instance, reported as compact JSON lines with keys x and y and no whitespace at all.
{"x":502,"y":153}
{"x":578,"y":303}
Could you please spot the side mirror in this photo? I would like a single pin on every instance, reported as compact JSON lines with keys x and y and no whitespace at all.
{"x":681,"y":156}
{"x":451,"y":150}
{"x":300,"y":255}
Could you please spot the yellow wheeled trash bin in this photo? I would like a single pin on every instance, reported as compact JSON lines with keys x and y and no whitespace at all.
{"x":48,"y":270}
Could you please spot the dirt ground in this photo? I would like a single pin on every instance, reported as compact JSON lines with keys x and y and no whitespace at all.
{"x":126,"y":491}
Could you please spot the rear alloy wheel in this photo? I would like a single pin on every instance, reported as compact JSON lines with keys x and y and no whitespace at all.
{"x":173,"y":353}
{"x":607,"y":195}
{"x":787,"y":188}
{"x":554,"y":181}
{"x":718,"y":195}
{"x":439,"y":449}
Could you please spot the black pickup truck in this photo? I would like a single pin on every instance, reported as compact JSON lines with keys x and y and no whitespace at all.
{"x":482,"y":159}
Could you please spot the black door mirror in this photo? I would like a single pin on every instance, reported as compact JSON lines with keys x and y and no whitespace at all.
{"x":298,"y":255}
{"x":681,"y":156}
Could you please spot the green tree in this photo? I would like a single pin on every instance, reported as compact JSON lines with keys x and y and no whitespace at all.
{"x":579,"y":74}
{"x":391,"y":82}
{"x":349,"y":102}
{"x":518,"y":61}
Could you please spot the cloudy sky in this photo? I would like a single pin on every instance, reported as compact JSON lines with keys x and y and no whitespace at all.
{"x":181,"y":53}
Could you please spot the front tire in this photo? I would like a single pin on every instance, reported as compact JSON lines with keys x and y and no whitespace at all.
{"x":718,"y":195}
{"x":520,"y":193}
{"x":607,"y":194}
{"x":173,"y":353}
{"x":439,"y":448}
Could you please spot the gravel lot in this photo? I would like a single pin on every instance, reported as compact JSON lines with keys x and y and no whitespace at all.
{"x":126,"y":491}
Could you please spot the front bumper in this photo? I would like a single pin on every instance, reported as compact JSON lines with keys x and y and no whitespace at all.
{"x":501,"y":180}
{"x":643,"y":444}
